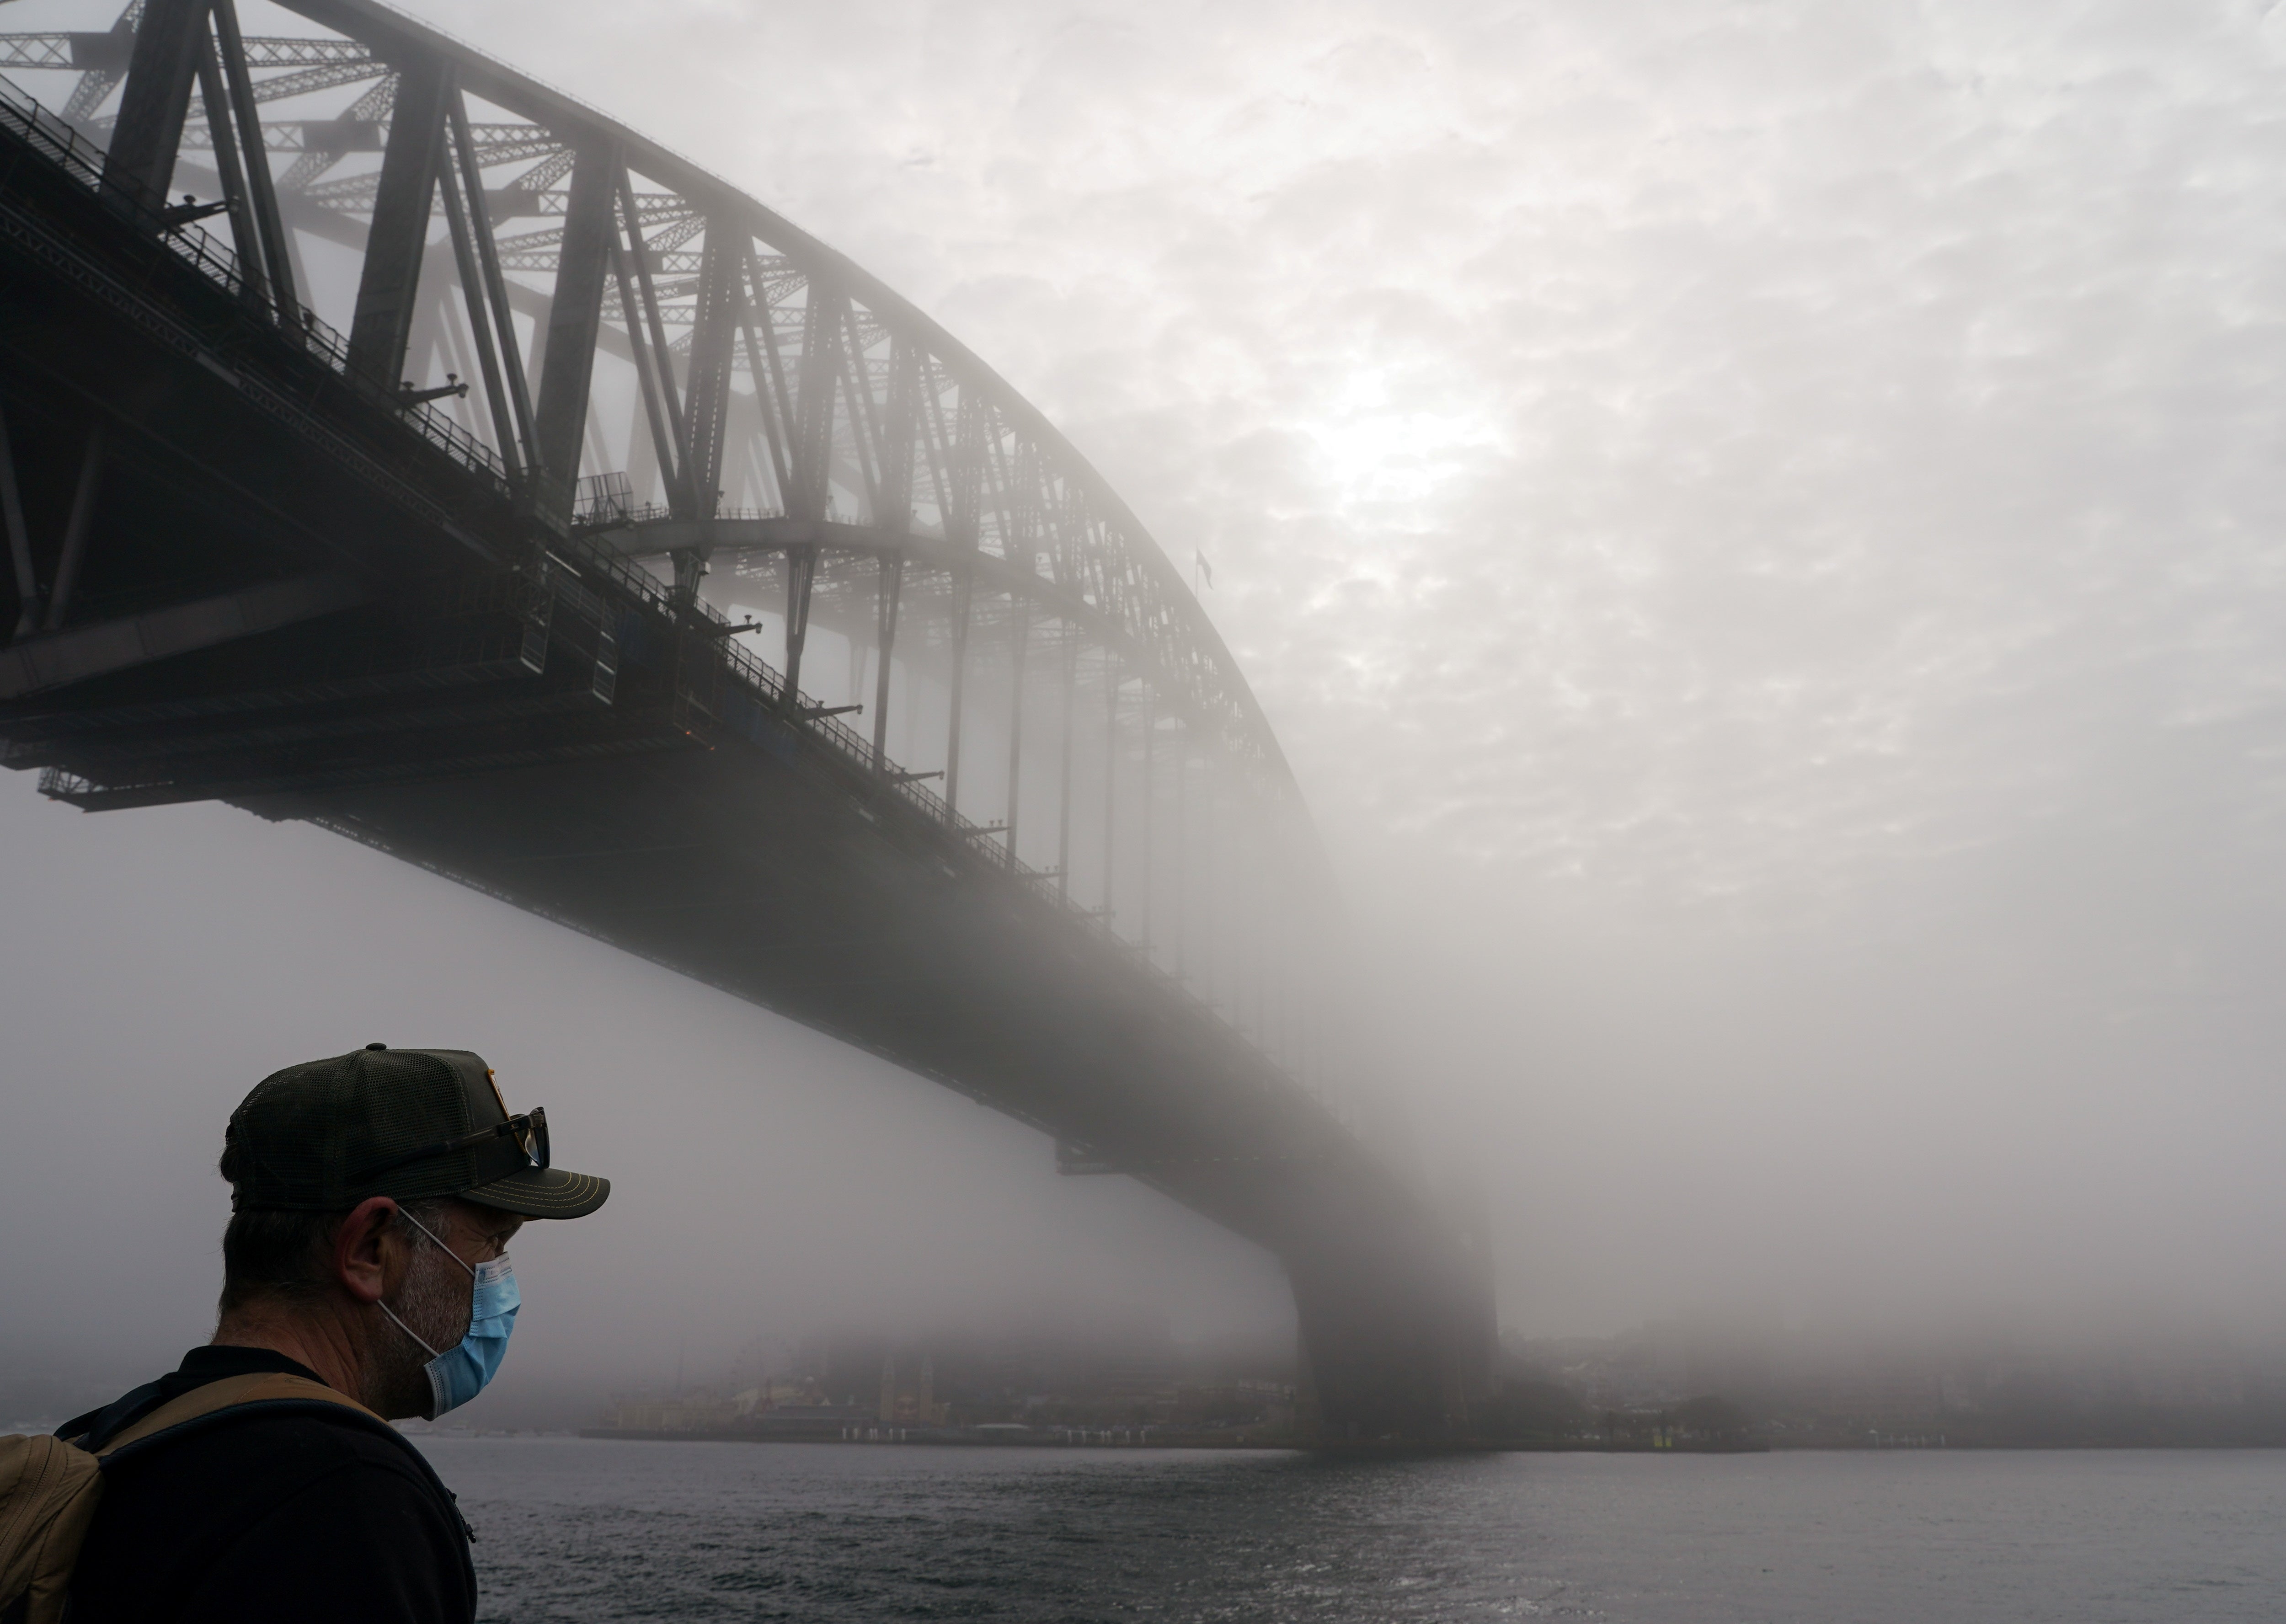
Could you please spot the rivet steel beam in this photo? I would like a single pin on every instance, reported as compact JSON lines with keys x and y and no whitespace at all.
{"x":889,"y":587}
{"x":389,"y":283}
{"x":76,"y":528}
{"x":19,"y":540}
{"x":495,"y":285}
{"x":480,"y":328}
{"x":157,"y":95}
{"x":230,"y":165}
{"x":567,"y":364}
{"x":277,"y":247}
{"x":713,"y":340}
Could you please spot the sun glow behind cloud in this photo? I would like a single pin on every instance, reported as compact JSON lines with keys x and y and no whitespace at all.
{"x":1759,"y":525}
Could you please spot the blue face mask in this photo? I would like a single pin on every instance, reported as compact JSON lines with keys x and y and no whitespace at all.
{"x":460,"y":1372}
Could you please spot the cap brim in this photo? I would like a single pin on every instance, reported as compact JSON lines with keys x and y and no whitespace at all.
{"x":543,"y":1193}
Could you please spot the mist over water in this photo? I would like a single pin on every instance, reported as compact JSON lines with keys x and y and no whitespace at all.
{"x":574,"y":1531}
{"x":769,"y":1183}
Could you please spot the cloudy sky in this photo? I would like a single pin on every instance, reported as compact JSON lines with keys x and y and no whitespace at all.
{"x":1756,"y":523}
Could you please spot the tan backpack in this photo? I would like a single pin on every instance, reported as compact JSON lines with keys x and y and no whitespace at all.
{"x":49,"y":1486}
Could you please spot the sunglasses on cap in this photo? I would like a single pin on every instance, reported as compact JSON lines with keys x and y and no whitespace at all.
{"x":528,"y":1129}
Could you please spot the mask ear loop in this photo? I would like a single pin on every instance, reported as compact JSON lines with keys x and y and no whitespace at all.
{"x":419,"y":1341}
{"x":441,"y":1247}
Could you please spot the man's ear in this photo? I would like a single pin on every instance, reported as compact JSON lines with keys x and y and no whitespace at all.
{"x":360,"y":1261}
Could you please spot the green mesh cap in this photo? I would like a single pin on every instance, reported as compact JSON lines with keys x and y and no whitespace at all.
{"x":324,"y":1135}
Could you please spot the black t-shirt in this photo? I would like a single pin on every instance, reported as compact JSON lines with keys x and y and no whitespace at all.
{"x":277,"y":1517}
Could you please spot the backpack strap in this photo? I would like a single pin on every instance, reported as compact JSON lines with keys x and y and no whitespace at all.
{"x":218,"y":1403}
{"x":50,"y":1487}
{"x":228,"y":1393}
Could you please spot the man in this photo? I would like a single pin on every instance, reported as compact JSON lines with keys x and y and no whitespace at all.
{"x":365,"y":1278}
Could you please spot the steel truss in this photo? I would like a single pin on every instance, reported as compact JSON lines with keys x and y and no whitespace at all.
{"x":792,"y":418}
{"x":673,"y":398}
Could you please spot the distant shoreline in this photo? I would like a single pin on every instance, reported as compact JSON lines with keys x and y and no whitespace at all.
{"x":1097,"y":1438}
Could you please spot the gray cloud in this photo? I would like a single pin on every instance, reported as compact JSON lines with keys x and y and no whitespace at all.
{"x":1758,"y":525}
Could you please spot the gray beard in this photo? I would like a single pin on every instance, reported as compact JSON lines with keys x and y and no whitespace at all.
{"x":437,"y":1302}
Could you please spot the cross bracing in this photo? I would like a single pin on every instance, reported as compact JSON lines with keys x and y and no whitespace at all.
{"x":107,"y":52}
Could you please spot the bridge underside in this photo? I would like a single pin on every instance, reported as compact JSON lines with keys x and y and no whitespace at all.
{"x":761,"y":870}
{"x":761,"y":867}
{"x":259,"y":584}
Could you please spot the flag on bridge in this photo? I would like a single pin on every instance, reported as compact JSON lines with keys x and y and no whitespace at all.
{"x":1200,"y":571}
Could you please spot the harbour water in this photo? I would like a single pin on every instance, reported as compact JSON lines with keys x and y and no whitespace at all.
{"x":582,"y":1529}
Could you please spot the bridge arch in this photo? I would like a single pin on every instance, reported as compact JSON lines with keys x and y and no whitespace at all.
{"x":464,"y":387}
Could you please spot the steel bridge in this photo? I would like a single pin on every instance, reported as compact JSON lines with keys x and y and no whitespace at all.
{"x":393,"y":443}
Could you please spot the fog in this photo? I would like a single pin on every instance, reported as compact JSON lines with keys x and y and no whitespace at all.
{"x":768,"y":1183}
{"x":1757,"y":525}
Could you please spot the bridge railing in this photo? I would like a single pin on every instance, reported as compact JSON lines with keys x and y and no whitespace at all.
{"x":600,"y":516}
{"x":50,"y":138}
